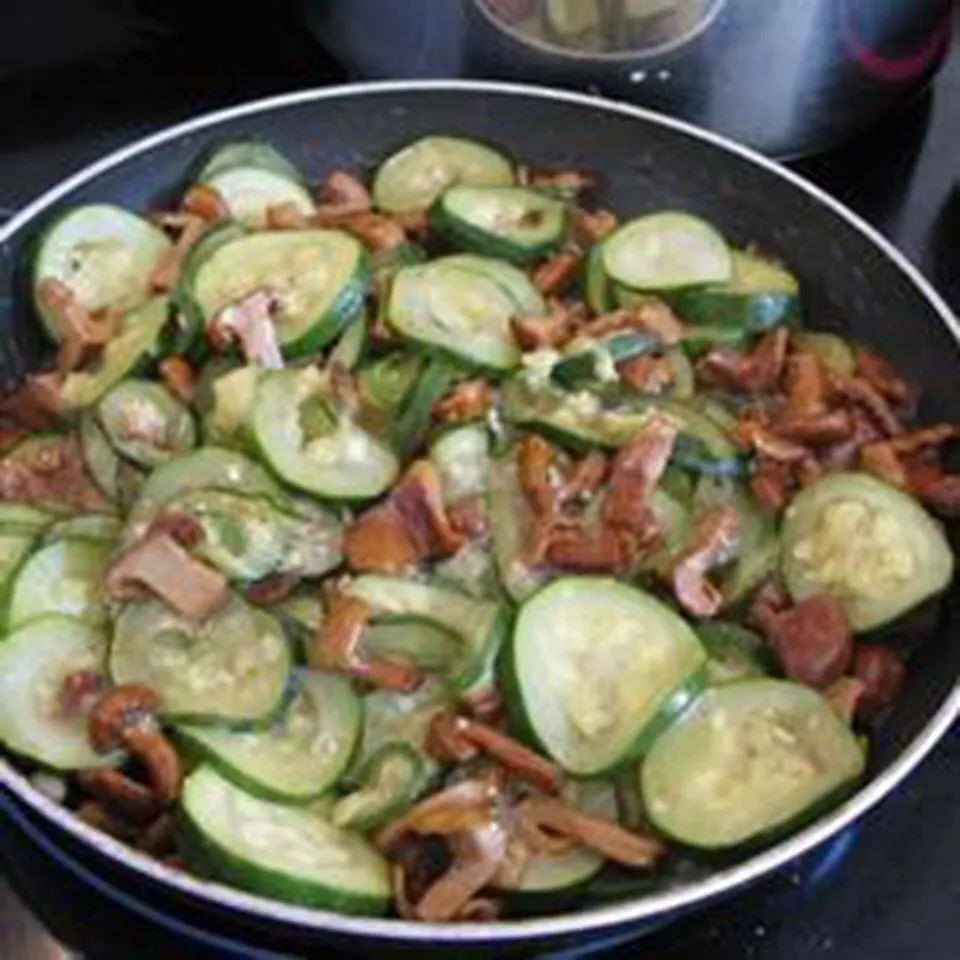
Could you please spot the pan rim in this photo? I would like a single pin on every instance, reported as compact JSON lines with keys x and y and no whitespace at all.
{"x":633,"y":911}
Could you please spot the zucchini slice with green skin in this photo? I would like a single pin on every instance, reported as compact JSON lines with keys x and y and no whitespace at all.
{"x":388,"y":783}
{"x":184,"y":333}
{"x":546,"y":876}
{"x":348,"y":351}
{"x":301,"y":756}
{"x":666,"y":251}
{"x":384,"y":383}
{"x":23,"y":519}
{"x":15,"y":546}
{"x":102,"y":461}
{"x":335,"y":459}
{"x":643,"y":664}
{"x":231,"y":668}
{"x":250,"y":191}
{"x":413,"y":177}
{"x":461,"y":456}
{"x":479,"y":624}
{"x":202,"y":469}
{"x":319,"y":279}
{"x":145,"y":423}
{"x":463,"y":306}
{"x":249,"y":537}
{"x":136,"y":342}
{"x":422,"y":643}
{"x":596,"y":360}
{"x":868,"y":544}
{"x":735,"y":652}
{"x":597,"y":289}
{"x":231,"y":399}
{"x":65,"y":577}
{"x":34,"y":661}
{"x":759,"y":296}
{"x":242,"y":152}
{"x":415,"y":411}
{"x":746,"y":761}
{"x":285,"y":852}
{"x":104,"y":254}
{"x":517,"y":223}
{"x":105,"y":527}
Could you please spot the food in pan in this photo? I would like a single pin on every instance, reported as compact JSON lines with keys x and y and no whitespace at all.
{"x":444,"y":543}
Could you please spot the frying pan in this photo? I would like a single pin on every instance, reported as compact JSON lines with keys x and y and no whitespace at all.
{"x":853,"y":282}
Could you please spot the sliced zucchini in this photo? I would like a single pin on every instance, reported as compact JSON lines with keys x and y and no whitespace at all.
{"x":555,"y":874}
{"x":145,"y":423}
{"x":388,"y":782}
{"x":231,"y":668}
{"x":748,"y":760}
{"x":248,"y":537}
{"x":385,"y":382}
{"x":348,"y":351}
{"x":104,"y":254}
{"x":318,"y":277}
{"x":330,"y":456}
{"x":866,"y":543}
{"x":15,"y":547}
{"x":511,"y":528}
{"x":413,"y":177}
{"x":23,"y":519}
{"x":285,"y":852}
{"x":183,"y":334}
{"x":595,"y":670}
{"x":232,"y":396}
{"x":597,"y":289}
{"x":461,"y":456}
{"x":666,"y":251}
{"x":65,"y":577}
{"x":136,"y":341}
{"x":478,"y":624}
{"x":759,"y":295}
{"x":415,"y":412}
{"x":250,"y":191}
{"x":104,"y":527}
{"x":471,"y":570}
{"x":202,"y":469}
{"x":517,"y":223}
{"x":464,"y":306}
{"x":735,"y":652}
{"x":102,"y":461}
{"x":34,"y":661}
{"x":301,"y":756}
{"x":242,"y":152}
{"x":595,"y":361}
{"x":419,"y":642}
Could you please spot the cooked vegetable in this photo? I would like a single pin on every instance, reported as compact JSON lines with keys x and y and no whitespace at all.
{"x":103,"y":254}
{"x":867,"y":543}
{"x":317,"y":279}
{"x":643,"y":662}
{"x":748,"y":759}
{"x":287,"y":852}
{"x":450,"y":531}
{"x":411,"y":179}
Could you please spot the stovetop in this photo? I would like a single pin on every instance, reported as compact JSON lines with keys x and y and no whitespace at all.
{"x":889,"y":888}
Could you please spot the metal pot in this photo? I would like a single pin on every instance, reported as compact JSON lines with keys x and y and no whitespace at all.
{"x":853,"y":281}
{"x":787,"y":77}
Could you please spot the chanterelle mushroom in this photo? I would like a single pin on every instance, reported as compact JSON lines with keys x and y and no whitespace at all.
{"x":159,"y":565}
{"x":250,"y":320}
{"x":79,"y":331}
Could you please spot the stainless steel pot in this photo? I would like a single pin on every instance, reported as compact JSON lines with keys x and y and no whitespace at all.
{"x":786,"y":76}
{"x":853,"y":282}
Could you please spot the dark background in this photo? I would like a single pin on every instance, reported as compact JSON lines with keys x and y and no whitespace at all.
{"x":82,"y":77}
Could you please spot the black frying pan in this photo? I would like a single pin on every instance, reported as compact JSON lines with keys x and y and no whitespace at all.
{"x":853,"y":282}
